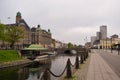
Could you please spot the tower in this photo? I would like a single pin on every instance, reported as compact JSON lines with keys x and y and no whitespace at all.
{"x":18,"y":17}
{"x":98,"y":35}
{"x":103,"y":31}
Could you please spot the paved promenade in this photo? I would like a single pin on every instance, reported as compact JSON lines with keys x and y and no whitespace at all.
{"x":99,"y":69}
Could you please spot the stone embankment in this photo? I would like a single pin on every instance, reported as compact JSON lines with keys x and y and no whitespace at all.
{"x":14,"y":63}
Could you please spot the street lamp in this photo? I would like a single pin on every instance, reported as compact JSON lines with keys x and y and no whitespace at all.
{"x":118,"y":47}
{"x":102,"y":44}
{"x":111,"y":44}
{"x":106,"y":43}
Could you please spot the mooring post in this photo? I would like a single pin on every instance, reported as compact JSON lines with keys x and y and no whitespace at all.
{"x":77,"y":62}
{"x":87,"y":54}
{"x":81,"y":57}
{"x":46,"y":75}
{"x":84,"y":56}
{"x":68,"y":72}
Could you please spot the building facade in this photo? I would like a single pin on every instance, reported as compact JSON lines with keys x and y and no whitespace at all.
{"x":93,"y":39}
{"x":21,"y":23}
{"x":34,"y":35}
{"x":31,"y":35}
{"x":107,"y":43}
{"x":40,"y":36}
{"x":98,"y":35}
{"x":27,"y":32}
{"x":103,"y":32}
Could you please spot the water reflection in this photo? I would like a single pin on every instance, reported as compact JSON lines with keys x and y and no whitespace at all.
{"x":34,"y":72}
{"x":59,"y":63}
{"x":14,"y":74}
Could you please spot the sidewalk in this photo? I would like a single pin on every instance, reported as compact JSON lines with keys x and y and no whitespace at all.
{"x":99,"y":69}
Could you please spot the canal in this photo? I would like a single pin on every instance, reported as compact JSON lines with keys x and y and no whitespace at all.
{"x":34,"y":72}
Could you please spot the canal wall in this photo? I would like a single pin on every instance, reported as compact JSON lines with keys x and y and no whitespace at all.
{"x":14,"y":63}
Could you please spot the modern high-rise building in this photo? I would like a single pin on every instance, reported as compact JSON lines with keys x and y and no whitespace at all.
{"x":98,"y":35}
{"x":103,"y":32}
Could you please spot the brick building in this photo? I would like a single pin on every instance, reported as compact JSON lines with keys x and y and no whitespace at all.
{"x":41,"y":36}
{"x":27,"y":35}
{"x":32,"y":35}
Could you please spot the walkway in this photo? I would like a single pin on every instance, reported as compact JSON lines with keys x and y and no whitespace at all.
{"x":99,"y":69}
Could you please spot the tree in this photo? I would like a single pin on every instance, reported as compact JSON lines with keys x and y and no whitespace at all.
{"x":70,"y":45}
{"x":13,"y":35}
{"x":80,"y":46}
{"x":2,"y":34}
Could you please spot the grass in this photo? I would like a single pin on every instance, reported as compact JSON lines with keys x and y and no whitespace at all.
{"x":9,"y":55}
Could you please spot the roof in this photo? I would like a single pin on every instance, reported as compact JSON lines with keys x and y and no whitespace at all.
{"x":22,"y":21}
{"x":26,"y":25}
{"x":11,"y":24}
{"x":35,"y":47}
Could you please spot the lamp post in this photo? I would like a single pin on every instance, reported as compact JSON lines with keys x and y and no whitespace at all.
{"x":106,"y":43}
{"x":103,"y":44}
{"x":111,"y":44}
{"x":118,"y":47}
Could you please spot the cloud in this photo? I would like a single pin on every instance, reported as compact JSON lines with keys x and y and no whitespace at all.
{"x":69,"y":20}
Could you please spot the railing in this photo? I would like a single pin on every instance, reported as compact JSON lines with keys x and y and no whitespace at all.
{"x":82,"y":55}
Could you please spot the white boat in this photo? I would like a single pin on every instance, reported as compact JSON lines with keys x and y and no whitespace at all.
{"x":41,"y":58}
{"x":50,"y":53}
{"x":73,"y":51}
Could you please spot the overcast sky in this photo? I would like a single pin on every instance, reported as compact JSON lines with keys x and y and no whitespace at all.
{"x":69,"y":20}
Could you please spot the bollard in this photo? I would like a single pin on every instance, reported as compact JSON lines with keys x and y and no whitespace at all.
{"x":46,"y":75}
{"x":77,"y":62}
{"x":87,"y":54}
{"x":118,"y":52}
{"x":84,"y":55}
{"x":81,"y":58}
{"x":68,"y":73}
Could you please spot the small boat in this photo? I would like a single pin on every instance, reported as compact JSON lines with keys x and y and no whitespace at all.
{"x":41,"y":58}
{"x":49,"y":53}
{"x":73,"y":51}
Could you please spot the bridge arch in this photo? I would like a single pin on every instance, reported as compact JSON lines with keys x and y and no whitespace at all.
{"x":70,"y":51}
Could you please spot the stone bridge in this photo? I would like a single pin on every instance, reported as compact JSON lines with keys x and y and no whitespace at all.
{"x":70,"y":50}
{"x":34,"y":54}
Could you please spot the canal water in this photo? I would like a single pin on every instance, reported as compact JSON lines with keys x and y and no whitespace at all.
{"x":34,"y":72}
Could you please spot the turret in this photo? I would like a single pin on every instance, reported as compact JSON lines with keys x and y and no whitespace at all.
{"x":18,"y":17}
{"x":48,"y":30}
{"x":38,"y":28}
